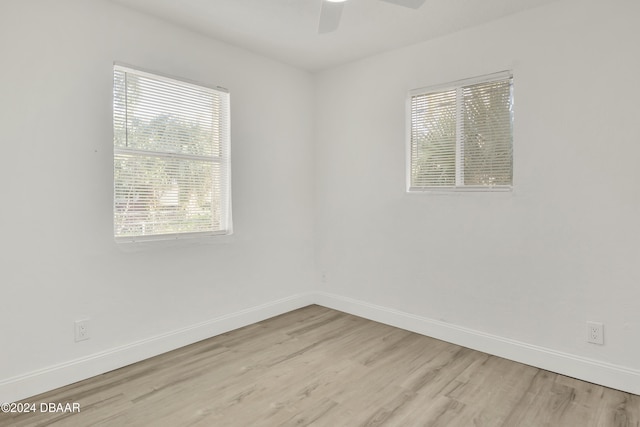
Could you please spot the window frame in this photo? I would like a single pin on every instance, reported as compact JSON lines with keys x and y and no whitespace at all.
{"x":224,"y":159}
{"x":457,"y":85}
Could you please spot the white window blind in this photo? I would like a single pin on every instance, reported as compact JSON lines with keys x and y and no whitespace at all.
{"x":461,"y":135}
{"x":171,"y":157}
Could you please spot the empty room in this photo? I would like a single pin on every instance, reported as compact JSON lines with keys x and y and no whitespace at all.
{"x":320,"y":212}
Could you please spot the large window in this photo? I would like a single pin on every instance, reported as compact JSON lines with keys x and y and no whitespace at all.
{"x":461,"y":135}
{"x":171,"y":157}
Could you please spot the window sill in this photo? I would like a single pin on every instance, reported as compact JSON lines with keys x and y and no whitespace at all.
{"x":138,"y":244}
{"x":466,"y":189}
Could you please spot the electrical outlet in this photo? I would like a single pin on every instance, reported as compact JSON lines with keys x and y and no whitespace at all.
{"x":82,"y":330}
{"x":595,"y":333}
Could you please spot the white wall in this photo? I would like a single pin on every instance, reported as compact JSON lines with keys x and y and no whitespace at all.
{"x":59,"y":260}
{"x":528,"y":267}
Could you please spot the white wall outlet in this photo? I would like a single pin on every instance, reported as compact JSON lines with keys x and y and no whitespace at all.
{"x":82,"y":330}
{"x":595,"y":333}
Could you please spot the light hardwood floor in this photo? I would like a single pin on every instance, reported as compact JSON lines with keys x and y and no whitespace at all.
{"x":321,"y":367}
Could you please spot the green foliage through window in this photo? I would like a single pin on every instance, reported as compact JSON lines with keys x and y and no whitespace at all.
{"x":463,"y":136}
{"x":171,"y":161}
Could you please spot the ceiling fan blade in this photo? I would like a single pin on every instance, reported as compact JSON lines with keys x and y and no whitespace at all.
{"x":329,"y":17}
{"x":413,"y":4}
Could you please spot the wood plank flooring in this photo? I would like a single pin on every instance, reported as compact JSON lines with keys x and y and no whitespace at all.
{"x":320,"y":367}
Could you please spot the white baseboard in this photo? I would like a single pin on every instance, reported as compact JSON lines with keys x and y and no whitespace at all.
{"x":595,"y":371}
{"x":42,"y":380}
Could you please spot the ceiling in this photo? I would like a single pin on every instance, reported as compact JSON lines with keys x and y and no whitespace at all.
{"x":287,"y":30}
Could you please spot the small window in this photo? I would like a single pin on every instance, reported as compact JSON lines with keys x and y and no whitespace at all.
{"x":171,"y":158}
{"x":461,"y":135}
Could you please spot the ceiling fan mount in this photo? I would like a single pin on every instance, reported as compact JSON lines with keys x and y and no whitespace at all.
{"x":331,"y":12}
